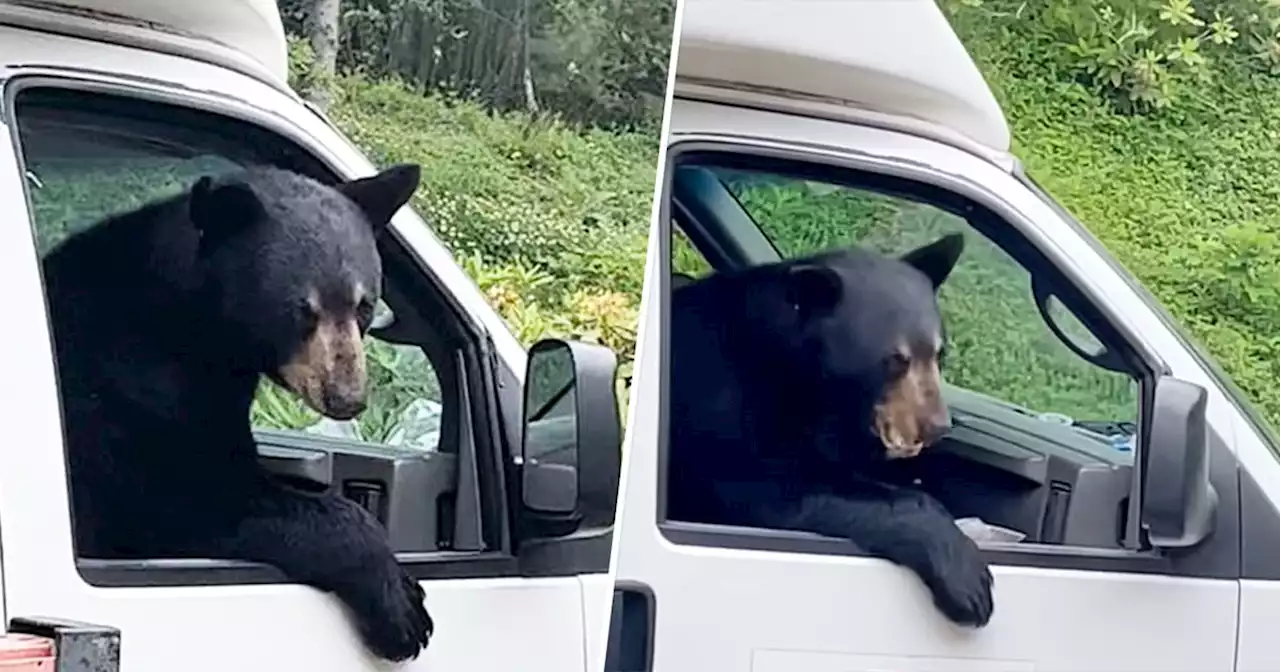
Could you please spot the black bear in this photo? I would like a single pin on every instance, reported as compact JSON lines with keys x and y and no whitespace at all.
{"x":792,"y":381}
{"x":164,"y":318}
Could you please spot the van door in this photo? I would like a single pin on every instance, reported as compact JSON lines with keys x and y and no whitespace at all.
{"x":433,"y":468}
{"x":1258,"y":447}
{"x":1049,"y":389}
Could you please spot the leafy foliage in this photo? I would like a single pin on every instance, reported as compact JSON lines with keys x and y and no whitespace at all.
{"x":1185,"y":197}
{"x":592,"y":62}
{"x":1142,"y":54}
{"x":549,"y":220}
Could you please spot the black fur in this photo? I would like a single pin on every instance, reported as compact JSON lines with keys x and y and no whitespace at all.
{"x":775,"y":371}
{"x":164,"y":318}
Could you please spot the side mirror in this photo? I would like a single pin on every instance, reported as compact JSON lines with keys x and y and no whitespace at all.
{"x":571,"y":456}
{"x":1179,"y":505}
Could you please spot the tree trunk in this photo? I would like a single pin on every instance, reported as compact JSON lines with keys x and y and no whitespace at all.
{"x":322,"y":33}
{"x":530,"y":98}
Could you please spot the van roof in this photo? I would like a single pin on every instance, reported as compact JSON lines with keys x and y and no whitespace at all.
{"x":898,"y":59}
{"x":245,"y":35}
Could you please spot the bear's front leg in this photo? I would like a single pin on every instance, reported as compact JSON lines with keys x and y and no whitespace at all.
{"x":334,"y":545}
{"x":908,"y":528}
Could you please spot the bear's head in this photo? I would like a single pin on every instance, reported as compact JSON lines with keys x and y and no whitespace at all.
{"x":863,"y":338}
{"x":291,"y":269}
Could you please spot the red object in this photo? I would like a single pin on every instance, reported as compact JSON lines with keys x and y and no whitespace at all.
{"x":26,"y":653}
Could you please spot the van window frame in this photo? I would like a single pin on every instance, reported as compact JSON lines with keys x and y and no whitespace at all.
{"x":1217,"y":557}
{"x":478,"y":423}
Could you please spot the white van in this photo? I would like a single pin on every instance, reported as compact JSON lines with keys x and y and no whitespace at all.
{"x":1146,"y":539}
{"x":106,"y":103}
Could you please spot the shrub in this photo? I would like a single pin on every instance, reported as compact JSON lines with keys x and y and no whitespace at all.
{"x":1186,"y":198}
{"x":513,"y":188}
{"x":1142,"y":54}
{"x":551,"y":221}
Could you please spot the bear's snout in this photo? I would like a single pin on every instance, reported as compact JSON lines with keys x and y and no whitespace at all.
{"x":328,"y":371}
{"x":912,"y":413}
{"x":935,"y":425}
{"x":340,"y":404}
{"x":342,"y":401}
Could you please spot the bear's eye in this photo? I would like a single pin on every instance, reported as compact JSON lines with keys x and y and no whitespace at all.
{"x":307,"y":316}
{"x":898,"y":364}
{"x":364,"y":313}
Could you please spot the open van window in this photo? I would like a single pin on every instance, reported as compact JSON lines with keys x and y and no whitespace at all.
{"x":90,"y":155}
{"x":1045,"y":432}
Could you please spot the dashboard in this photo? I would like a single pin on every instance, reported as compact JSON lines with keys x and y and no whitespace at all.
{"x":411,"y":492}
{"x":1054,"y":482}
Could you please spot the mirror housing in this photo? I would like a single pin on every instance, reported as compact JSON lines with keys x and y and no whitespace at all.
{"x":1179,"y":505}
{"x":571,"y":452}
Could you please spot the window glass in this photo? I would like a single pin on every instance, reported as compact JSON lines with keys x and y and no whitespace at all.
{"x":686,"y":260}
{"x":88,"y":157}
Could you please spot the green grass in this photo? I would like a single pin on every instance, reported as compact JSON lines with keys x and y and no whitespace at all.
{"x":1188,"y":199}
{"x":513,"y":189}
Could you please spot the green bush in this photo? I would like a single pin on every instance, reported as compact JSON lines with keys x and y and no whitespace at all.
{"x":551,"y":221}
{"x":512,"y":188}
{"x":1187,"y":197}
{"x":1142,"y":54}
{"x":592,"y":62}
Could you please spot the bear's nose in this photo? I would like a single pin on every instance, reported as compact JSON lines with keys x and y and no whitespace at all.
{"x":936,"y":426}
{"x":341,"y":406}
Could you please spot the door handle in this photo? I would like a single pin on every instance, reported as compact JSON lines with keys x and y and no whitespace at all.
{"x":631,"y":628}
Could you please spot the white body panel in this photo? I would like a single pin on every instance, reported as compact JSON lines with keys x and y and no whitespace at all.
{"x":597,"y":591}
{"x":528,"y":624}
{"x":245,"y":35}
{"x":252,"y":27}
{"x":1259,"y":605}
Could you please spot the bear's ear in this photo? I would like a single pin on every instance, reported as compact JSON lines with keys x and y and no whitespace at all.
{"x":218,"y":212}
{"x":381,"y":195}
{"x":937,"y":259}
{"x":814,"y":289}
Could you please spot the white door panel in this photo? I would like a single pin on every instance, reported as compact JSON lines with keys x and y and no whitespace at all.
{"x":766,"y":660}
{"x":1259,"y":614}
{"x":532,"y":625}
{"x":783,"y":611}
{"x":597,"y":590}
